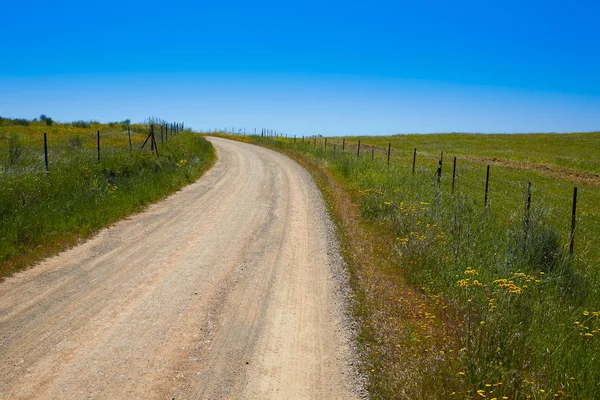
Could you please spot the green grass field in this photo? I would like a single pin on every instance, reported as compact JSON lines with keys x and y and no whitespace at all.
{"x":43,"y":212}
{"x":458,"y":300}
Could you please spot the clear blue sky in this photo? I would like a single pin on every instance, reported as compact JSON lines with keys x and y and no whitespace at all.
{"x":308,"y":67}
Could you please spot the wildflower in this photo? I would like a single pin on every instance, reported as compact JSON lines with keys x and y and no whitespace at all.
{"x":464,"y":282}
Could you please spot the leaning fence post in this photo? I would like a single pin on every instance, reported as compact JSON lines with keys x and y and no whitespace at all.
{"x":573,"y":221}
{"x":154,"y":140}
{"x":98,"y":135}
{"x":358,"y":150}
{"x":46,"y":151}
{"x":487,"y":181}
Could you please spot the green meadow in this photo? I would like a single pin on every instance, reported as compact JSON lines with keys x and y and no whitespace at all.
{"x":45,"y":211}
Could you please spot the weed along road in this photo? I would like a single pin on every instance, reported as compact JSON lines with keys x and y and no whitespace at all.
{"x":231,"y":288}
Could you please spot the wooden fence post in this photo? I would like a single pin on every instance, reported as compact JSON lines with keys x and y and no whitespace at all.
{"x":487,"y":182}
{"x":414,"y":160}
{"x":46,"y":151}
{"x":358,"y":150}
{"x":527,"y":216}
{"x":155,"y":145}
{"x":98,"y":135}
{"x":573,"y":221}
{"x":453,"y":174}
{"x":439,"y":170}
{"x":389,"y":150}
{"x":343,"y":144}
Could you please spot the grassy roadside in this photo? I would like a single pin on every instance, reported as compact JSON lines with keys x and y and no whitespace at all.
{"x":43,"y":212}
{"x":454,"y":300}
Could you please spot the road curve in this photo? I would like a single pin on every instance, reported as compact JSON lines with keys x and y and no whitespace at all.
{"x":227,"y":289}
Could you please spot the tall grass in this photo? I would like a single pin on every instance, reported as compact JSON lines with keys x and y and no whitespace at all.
{"x":42,"y":211}
{"x":510,"y":314}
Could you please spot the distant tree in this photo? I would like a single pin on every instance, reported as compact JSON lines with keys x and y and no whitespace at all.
{"x":47,"y":120}
{"x":80,"y":124}
{"x":21,"y":121}
{"x":125,"y":124}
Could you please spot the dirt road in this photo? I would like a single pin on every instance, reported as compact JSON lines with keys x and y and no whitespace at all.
{"x":230,"y":288}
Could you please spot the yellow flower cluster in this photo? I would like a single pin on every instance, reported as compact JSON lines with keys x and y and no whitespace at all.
{"x":403,"y":240}
{"x":509,"y":286}
{"x":585,"y":330}
{"x":468,"y":283}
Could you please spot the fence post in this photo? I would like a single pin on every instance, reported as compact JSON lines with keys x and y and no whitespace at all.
{"x":130,"y":147}
{"x":294,"y":139}
{"x":439,"y":170}
{"x":414,"y":160}
{"x":151,"y":137}
{"x":453,"y":174}
{"x":154,"y":140}
{"x":46,"y":151}
{"x":487,"y":181}
{"x":573,"y":221}
{"x":325,"y":143}
{"x":358,"y":150}
{"x":161,"y":135}
{"x":389,"y":150}
{"x":372,"y":153}
{"x":98,"y":135}
{"x":343,"y":144}
{"x":315,"y":145}
{"x":527,"y":216}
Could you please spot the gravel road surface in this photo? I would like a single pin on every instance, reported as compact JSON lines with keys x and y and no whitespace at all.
{"x":230,"y":288}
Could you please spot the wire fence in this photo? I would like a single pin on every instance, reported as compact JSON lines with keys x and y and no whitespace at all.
{"x":574,"y":217}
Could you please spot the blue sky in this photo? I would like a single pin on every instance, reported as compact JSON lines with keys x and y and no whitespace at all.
{"x":308,"y":67}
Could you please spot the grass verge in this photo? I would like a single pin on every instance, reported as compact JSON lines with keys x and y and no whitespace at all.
{"x":44,"y":212}
{"x":455,"y":299}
